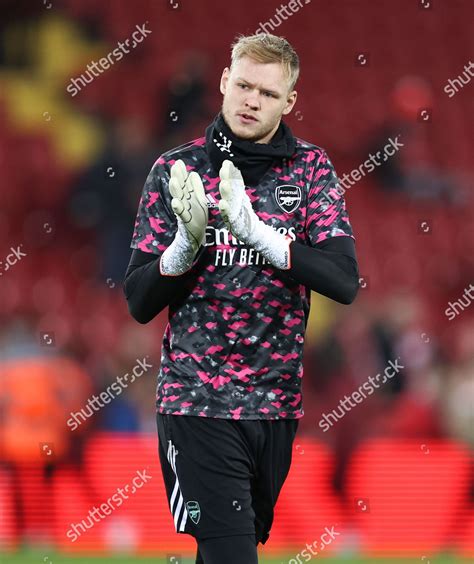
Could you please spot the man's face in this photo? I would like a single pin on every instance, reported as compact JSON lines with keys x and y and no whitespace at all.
{"x":258,"y":90}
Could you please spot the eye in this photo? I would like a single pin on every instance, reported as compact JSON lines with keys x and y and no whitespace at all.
{"x":268,"y":94}
{"x":243,"y":85}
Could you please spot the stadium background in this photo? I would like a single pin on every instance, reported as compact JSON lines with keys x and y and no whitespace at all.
{"x":392,"y":475}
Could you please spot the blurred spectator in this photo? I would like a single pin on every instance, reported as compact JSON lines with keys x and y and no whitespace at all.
{"x":132,"y":410}
{"x":186,"y":107}
{"x":37,"y":393}
{"x":457,"y":389}
{"x":360,"y":344}
{"x":410,"y":169}
{"x":105,"y":197}
{"x":18,"y":27}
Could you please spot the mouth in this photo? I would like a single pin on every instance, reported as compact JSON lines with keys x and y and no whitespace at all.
{"x":247,"y":118}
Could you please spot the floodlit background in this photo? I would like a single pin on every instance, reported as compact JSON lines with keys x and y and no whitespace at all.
{"x":392,"y":476}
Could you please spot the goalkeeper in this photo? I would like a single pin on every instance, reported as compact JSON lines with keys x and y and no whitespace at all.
{"x":233,"y":231}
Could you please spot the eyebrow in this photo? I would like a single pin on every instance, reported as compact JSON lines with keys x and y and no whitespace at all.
{"x":265,"y":89}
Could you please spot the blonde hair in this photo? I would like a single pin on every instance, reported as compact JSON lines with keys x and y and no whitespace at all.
{"x":268,"y":48}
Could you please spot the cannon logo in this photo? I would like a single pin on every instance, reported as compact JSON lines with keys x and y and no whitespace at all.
{"x":194,"y":511}
{"x":288,"y":197}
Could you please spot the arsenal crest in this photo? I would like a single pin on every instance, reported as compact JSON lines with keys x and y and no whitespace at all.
{"x":194,"y":511}
{"x":288,"y":197}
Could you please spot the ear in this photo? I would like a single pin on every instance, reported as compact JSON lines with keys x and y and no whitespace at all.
{"x":224,"y":80}
{"x":291,"y":101}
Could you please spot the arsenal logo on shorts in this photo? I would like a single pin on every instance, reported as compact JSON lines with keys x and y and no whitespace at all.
{"x":288,"y":197}
{"x":194,"y":511}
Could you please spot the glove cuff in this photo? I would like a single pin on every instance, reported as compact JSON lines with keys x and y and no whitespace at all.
{"x":273,"y":246}
{"x":179,"y":256}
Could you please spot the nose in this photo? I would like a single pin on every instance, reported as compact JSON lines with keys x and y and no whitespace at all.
{"x":252,"y":101}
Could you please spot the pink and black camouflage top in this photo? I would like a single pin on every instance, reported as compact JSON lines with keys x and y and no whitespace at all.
{"x":233,"y":347}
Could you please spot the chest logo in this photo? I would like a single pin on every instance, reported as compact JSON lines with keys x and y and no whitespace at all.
{"x":288,"y":197}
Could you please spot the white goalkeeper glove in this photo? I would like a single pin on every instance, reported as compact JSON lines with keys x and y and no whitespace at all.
{"x":241,"y":220}
{"x":190,"y":207}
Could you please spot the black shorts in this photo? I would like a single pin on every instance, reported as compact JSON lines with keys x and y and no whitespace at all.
{"x":223,"y":476}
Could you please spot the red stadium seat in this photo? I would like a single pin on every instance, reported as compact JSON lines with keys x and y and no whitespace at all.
{"x":413,"y":491}
{"x":72,"y":501}
{"x":8,"y":524}
{"x":307,"y":503}
{"x":112,"y":461}
{"x":465,"y":534}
